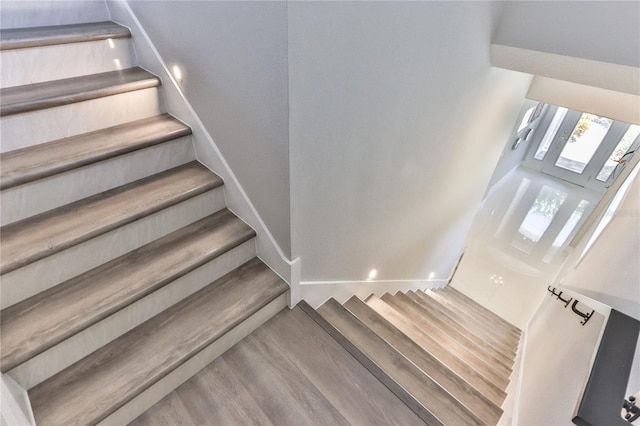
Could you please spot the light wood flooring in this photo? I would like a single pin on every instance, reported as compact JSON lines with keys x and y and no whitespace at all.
{"x":288,"y":372}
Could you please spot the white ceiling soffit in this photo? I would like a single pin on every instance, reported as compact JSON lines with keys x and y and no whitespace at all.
{"x":602,"y":88}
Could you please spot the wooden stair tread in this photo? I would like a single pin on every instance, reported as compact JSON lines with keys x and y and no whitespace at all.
{"x":127,"y":366}
{"x":19,"y":38}
{"x":42,"y":235}
{"x":470,"y":315}
{"x":428,"y":399}
{"x":503,"y":343}
{"x":481,"y":309}
{"x":31,"y":97}
{"x":474,"y":400}
{"x":39,"y":161}
{"x":408,"y":310}
{"x":462,"y":334}
{"x":449,"y":356}
{"x":34,"y":325}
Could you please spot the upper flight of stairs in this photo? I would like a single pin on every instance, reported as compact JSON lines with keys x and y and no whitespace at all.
{"x":122,"y":272}
{"x":445,"y":356}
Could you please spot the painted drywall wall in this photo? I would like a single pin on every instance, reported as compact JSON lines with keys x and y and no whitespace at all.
{"x":397,"y":121}
{"x":28,"y":13}
{"x":604,"y":31}
{"x":510,"y":157}
{"x":233,"y":58}
{"x":556,"y":363}
{"x":610,"y":270}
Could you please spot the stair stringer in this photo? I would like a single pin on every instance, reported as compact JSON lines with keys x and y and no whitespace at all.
{"x":207,"y":152}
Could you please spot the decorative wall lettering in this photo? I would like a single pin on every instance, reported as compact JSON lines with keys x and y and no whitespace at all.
{"x":585,"y":316}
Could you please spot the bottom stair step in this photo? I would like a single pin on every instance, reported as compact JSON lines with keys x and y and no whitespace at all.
{"x":95,"y":387}
{"x":432,"y":403}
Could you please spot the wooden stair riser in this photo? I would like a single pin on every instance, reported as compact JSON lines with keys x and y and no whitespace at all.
{"x":467,"y":315}
{"x":36,"y":197}
{"x":428,"y":399}
{"x":463,"y":335}
{"x":455,"y":385}
{"x":501,"y":343}
{"x":48,"y":272}
{"x":36,"y":127}
{"x":81,"y":344}
{"x":482,"y":310}
{"x":141,"y":403}
{"x":458,"y":349}
{"x":48,"y":63}
{"x":126,"y":367}
{"x":438,"y":350}
{"x":472,"y":311}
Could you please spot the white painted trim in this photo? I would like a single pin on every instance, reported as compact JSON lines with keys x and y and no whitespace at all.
{"x":315,"y":293}
{"x":620,"y":78}
{"x":207,"y":152}
{"x":15,"y":405}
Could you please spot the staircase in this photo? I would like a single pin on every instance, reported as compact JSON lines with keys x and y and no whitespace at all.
{"x":122,"y":272}
{"x":445,"y":356}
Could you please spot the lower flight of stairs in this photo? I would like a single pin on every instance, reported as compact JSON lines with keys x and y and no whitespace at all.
{"x":445,"y":356}
{"x":122,"y":272}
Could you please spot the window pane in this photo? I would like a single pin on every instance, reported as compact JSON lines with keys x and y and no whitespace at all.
{"x":566,"y":230}
{"x":583,"y":142}
{"x":539,"y":217}
{"x":551,"y":133}
{"x":622,"y":148}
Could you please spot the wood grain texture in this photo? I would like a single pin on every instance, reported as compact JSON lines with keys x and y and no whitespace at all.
{"x":437,"y":405}
{"x":220,"y":394}
{"x":32,"y":239}
{"x":409,"y":311}
{"x":439,"y":350}
{"x":347,"y":385}
{"x":20,"y":38}
{"x":36,"y":324}
{"x":481,"y":309}
{"x":32,"y":97}
{"x":463,"y":335}
{"x":99,"y":384}
{"x":39,"y":161}
{"x":502,"y":342}
{"x":445,"y":377}
{"x":469,"y":315}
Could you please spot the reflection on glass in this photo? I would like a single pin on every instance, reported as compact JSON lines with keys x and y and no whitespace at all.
{"x":551,"y":133}
{"x":623,"y":146}
{"x":583,"y":142}
{"x":539,"y":217}
{"x":522,"y":189}
{"x":566,"y":230}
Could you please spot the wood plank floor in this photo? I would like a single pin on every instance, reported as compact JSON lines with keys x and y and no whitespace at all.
{"x":288,"y":372}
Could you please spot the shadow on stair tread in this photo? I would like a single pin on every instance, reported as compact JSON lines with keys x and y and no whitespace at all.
{"x":127,"y":366}
{"x":42,"y":235}
{"x":36,"y":324}
{"x":39,"y":161}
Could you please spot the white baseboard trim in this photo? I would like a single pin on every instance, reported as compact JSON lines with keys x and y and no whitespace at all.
{"x":315,"y":293}
{"x":207,"y":152}
{"x":16,"y":407}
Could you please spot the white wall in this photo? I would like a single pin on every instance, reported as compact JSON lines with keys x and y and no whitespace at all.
{"x":397,"y":121}
{"x":29,"y":13}
{"x":604,"y":31}
{"x":233,"y":56}
{"x":556,"y":363}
